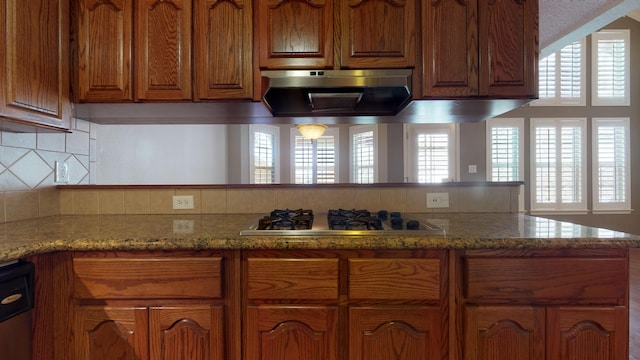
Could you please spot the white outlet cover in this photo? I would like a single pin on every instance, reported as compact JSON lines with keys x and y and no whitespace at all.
{"x":61,"y":172}
{"x":182,"y":202}
{"x":437,"y":200}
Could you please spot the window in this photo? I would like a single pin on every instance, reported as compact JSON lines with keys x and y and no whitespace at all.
{"x":314,"y":162}
{"x":611,"y":181}
{"x":264,"y":144}
{"x":610,"y":70}
{"x":562,"y":77}
{"x":431,"y":153}
{"x":505,"y":149}
{"x":364,"y":148}
{"x":558,"y":169}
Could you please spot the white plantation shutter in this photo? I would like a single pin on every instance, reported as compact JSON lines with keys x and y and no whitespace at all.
{"x":558,"y":164}
{"x":433,"y":158}
{"x":505,"y":141}
{"x":430,"y":153}
{"x":561,"y":76}
{"x":610,"y":68}
{"x":264,"y":145}
{"x":315,"y":162}
{"x":363,"y":154}
{"x":611,"y":164}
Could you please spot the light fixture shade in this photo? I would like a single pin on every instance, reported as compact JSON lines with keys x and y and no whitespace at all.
{"x":311,"y":131}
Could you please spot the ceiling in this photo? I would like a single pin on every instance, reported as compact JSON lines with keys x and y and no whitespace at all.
{"x":565,"y":21}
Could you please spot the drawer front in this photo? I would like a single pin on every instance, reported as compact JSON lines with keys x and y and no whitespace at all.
{"x":554,"y":280}
{"x":403,"y":279}
{"x":147,"y":278}
{"x":292,"y":278}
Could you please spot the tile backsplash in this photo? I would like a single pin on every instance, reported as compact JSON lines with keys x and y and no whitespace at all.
{"x":27,"y":161}
{"x":223,"y":199}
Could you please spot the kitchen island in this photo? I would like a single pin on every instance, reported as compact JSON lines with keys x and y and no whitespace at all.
{"x":500,"y":283}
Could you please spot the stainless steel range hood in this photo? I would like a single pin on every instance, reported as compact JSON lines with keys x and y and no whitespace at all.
{"x":337,"y":92}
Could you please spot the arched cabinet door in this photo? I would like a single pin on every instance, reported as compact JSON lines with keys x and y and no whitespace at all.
{"x":504,"y":332}
{"x":106,"y":332}
{"x":194,"y":332}
{"x":291,"y":332}
{"x":587,"y":333}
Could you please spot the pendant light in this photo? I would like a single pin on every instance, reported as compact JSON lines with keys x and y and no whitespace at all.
{"x":311,"y":131}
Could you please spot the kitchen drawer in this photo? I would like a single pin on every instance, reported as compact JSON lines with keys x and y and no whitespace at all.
{"x":389,"y":278}
{"x":147,"y":278}
{"x":546,"y":280}
{"x":284,"y":278}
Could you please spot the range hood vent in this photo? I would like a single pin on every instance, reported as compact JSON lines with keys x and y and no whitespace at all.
{"x":337,"y":92}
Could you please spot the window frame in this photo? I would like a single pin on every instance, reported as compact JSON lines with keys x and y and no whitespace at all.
{"x":275,"y":132}
{"x":558,"y":206}
{"x":558,"y":100}
{"x":411,"y":151}
{"x":360,"y":129}
{"x":330,"y":131}
{"x":610,"y":207}
{"x":596,"y":100}
{"x":505,"y":122}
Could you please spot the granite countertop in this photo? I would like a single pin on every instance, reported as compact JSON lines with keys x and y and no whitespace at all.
{"x":197,"y":232}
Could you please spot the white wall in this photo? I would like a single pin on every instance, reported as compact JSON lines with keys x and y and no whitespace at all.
{"x":161,"y":154}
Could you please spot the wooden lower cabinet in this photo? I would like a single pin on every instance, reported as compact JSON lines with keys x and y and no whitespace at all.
{"x":389,"y":332}
{"x":356,"y":305}
{"x":292,"y":332}
{"x":599,"y":332}
{"x":543,"y":304}
{"x":504,"y":332}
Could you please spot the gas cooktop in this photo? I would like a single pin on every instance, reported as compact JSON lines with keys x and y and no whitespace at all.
{"x":301,"y":222}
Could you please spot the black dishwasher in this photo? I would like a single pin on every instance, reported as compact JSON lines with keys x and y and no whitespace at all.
{"x":16,"y":302}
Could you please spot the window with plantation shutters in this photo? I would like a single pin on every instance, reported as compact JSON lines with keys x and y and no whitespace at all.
{"x":558,"y":165}
{"x":315,"y":161}
{"x":611,"y":179}
{"x":364,"y":146}
{"x":610,"y":68}
{"x":505,"y":149}
{"x":430,"y":153}
{"x":264,"y":144}
{"x":561,"y":77}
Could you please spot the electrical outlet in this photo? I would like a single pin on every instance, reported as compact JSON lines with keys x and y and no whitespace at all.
{"x":437,"y":200}
{"x":473,"y":169}
{"x":182,"y":202}
{"x":61,"y":172}
{"x":183,"y":226}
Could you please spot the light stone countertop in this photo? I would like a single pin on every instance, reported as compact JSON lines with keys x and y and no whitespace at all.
{"x":173,"y":232}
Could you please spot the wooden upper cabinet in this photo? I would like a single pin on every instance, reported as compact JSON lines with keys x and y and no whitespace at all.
{"x":378,"y":33}
{"x":222,"y":49}
{"x":34,"y":61}
{"x":163,"y":49}
{"x":450,"y":48}
{"x":104,"y":50}
{"x":295,"y":34}
{"x":480,"y":48}
{"x":508,"y":47}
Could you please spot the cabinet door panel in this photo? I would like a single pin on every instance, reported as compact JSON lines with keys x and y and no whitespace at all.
{"x":291,"y":332}
{"x":378,"y":33}
{"x":105,"y":333}
{"x":223,"y":49}
{"x":502,"y":332}
{"x":450,"y":48}
{"x":382,"y":332}
{"x":508,"y":47}
{"x":186,"y":332}
{"x":104,"y":50}
{"x":295,"y":34}
{"x":36,"y":56}
{"x":587,"y":333}
{"x":163,"y":50}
